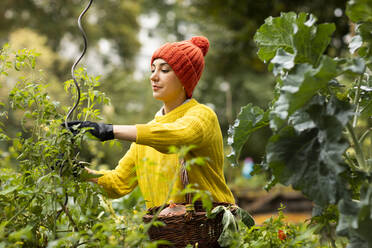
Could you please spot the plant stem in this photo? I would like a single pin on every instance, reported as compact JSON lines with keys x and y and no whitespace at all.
{"x":54,"y":210}
{"x":333,"y":242}
{"x":88,"y":107}
{"x":65,"y":209}
{"x":356,"y":100}
{"x":358,"y":150}
{"x":109,"y":208}
{"x":364,"y":135}
{"x":82,"y":243}
{"x":64,"y":230}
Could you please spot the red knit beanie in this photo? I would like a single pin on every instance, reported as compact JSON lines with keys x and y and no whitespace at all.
{"x":186,"y":59}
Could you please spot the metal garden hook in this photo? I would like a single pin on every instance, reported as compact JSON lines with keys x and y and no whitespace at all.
{"x":77,"y":61}
{"x":64,"y":206}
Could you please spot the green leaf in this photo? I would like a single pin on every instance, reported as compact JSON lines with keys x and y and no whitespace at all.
{"x":301,"y":121}
{"x":356,"y":218}
{"x":367,"y":110}
{"x":245,"y":217}
{"x":355,"y":65}
{"x":9,"y":190}
{"x":312,"y":41}
{"x":365,"y":101}
{"x":85,"y":175}
{"x":282,"y":60}
{"x":229,"y":226}
{"x":299,"y":86}
{"x":215,"y":211}
{"x":365,"y":213}
{"x":269,"y":37}
{"x":249,"y":120}
{"x":22,"y":234}
{"x":309,"y":157}
{"x":355,"y":43}
{"x":295,"y":34}
{"x":365,"y":31}
{"x":359,"y":10}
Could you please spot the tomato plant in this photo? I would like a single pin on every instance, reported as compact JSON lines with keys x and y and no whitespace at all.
{"x":45,"y":200}
{"x":320,"y":117}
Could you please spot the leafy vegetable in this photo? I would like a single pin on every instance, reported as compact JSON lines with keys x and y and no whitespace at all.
{"x":229,"y":223}
{"x":249,"y":120}
{"x":295,"y":34}
{"x":320,"y":117}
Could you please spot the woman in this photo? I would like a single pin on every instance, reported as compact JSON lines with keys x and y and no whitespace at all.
{"x":176,"y":69}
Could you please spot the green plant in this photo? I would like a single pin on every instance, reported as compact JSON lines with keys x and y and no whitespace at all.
{"x":45,"y":200}
{"x":320,"y":117}
{"x":275,"y":232}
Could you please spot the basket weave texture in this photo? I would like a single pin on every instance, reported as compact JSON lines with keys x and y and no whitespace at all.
{"x":183,"y":230}
{"x":193,"y":228}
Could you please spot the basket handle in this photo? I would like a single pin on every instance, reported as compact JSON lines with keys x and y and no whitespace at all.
{"x":185,"y":181}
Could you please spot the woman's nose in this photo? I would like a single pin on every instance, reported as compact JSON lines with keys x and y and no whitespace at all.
{"x":154,"y":76}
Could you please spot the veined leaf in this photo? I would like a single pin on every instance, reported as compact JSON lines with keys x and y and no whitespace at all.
{"x":229,"y":225}
{"x":309,"y":157}
{"x":359,"y":10}
{"x":249,"y":120}
{"x":295,"y":34}
{"x":9,"y":190}
{"x":282,"y":60}
{"x":245,"y":217}
{"x":365,"y":31}
{"x":356,"y":219}
{"x":299,"y":86}
{"x":355,"y":43}
{"x":270,"y":36}
{"x":354,"y":65}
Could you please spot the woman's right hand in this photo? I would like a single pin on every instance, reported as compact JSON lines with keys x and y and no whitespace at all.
{"x":101,"y":131}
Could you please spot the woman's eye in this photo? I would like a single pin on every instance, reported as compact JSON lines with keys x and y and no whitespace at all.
{"x":165,"y":71}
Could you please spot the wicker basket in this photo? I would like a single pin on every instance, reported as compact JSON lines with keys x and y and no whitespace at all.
{"x":192,"y":228}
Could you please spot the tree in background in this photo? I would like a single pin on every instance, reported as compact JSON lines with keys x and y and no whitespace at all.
{"x":115,"y":21}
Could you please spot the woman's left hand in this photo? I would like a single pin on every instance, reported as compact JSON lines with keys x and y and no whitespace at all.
{"x":91,"y":175}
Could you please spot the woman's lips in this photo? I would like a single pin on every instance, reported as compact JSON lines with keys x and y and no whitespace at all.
{"x":155,"y":87}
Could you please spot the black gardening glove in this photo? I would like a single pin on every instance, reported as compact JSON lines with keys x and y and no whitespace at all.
{"x":100,"y":130}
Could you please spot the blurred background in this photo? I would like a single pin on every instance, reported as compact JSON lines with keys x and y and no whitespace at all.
{"x":122,"y":35}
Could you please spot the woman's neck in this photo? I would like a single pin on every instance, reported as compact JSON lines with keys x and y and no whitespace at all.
{"x":169,"y":106}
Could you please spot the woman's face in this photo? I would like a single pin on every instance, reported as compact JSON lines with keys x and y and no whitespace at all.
{"x":165,"y":84}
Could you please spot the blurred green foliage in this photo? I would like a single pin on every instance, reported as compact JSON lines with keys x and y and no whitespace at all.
{"x":233,"y":75}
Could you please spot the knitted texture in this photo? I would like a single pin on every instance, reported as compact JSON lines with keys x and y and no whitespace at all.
{"x":149,"y":164}
{"x":186,"y":59}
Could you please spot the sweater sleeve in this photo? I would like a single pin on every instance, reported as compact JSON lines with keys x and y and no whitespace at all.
{"x":187,"y":130}
{"x":122,"y":180}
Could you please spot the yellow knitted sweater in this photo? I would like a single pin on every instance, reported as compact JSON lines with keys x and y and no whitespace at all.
{"x":149,"y":164}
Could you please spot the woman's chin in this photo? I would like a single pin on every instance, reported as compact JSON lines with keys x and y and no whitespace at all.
{"x":157,"y":96}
